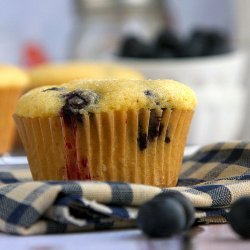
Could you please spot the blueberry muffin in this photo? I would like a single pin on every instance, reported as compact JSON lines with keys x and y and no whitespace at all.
{"x":54,"y":74}
{"x":107,"y":130}
{"x":12,"y":83}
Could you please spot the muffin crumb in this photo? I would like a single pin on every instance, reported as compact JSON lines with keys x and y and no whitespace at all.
{"x":53,"y":89}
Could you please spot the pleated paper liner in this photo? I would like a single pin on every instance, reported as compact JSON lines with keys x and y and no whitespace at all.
{"x":8,"y":100}
{"x":17,"y":140}
{"x":144,"y":146}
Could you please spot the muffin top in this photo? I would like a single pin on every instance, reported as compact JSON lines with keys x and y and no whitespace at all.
{"x":12,"y":76}
{"x":94,"y":96}
{"x":50,"y":74}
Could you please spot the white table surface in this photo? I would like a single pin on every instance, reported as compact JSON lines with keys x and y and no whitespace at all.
{"x":210,"y":237}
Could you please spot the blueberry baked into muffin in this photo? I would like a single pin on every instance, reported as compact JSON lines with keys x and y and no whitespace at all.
{"x":12,"y":82}
{"x":108,"y":130}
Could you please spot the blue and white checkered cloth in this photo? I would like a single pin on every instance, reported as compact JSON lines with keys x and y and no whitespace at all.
{"x":212,"y":178}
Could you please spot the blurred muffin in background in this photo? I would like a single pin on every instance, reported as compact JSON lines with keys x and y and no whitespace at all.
{"x":12,"y":83}
{"x":54,"y":74}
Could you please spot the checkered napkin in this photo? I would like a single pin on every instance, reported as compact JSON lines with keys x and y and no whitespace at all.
{"x":212,"y":178}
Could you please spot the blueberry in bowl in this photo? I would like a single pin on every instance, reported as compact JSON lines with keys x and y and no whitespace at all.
{"x":134,"y":47}
{"x":167,"y":44}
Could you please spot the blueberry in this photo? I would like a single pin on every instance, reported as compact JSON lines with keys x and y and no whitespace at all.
{"x":187,"y":205}
{"x":134,"y":47}
{"x":196,"y":44}
{"x":166,"y":214}
{"x":76,"y":101}
{"x":167,"y":139}
{"x":79,"y":99}
{"x":239,"y":217}
{"x":149,"y":93}
{"x":142,"y":140}
{"x":142,"y":137}
{"x":162,"y":217}
{"x":154,"y":125}
{"x":168,"y":45}
{"x":167,"y":39}
{"x":207,"y":42}
{"x":217,"y":43}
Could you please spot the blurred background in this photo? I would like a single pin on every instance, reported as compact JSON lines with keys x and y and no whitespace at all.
{"x":203,"y":43}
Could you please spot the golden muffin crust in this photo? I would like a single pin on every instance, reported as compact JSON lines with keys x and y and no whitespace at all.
{"x":50,"y":74}
{"x":12,"y":76}
{"x":82,"y":96}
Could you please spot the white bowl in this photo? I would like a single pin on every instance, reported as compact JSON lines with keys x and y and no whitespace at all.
{"x":218,"y":83}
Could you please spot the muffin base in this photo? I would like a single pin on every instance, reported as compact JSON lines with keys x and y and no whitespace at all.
{"x":8,"y":100}
{"x":144,"y":146}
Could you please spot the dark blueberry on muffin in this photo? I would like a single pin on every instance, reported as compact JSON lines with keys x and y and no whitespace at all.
{"x":76,"y":102}
{"x":154,"y":125}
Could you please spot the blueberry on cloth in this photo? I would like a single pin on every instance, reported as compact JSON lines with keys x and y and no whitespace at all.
{"x":162,"y":217}
{"x":187,"y":205}
{"x":239,"y":217}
